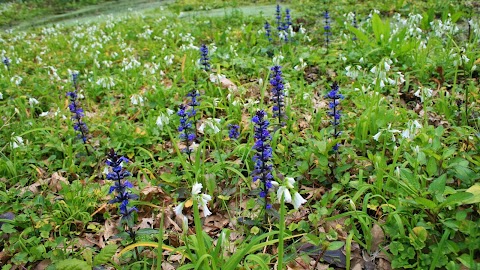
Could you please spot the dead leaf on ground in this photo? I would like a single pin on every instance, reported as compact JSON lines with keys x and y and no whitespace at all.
{"x":43,"y":265}
{"x":215,"y":223}
{"x":110,"y":229}
{"x":377,"y":236}
{"x":55,"y":183}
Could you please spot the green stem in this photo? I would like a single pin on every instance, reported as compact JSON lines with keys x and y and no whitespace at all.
{"x":199,"y":233}
{"x":280,"y":235}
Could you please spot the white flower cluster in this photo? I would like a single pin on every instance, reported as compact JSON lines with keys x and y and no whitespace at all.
{"x":202,"y":201}
{"x":286,"y":189}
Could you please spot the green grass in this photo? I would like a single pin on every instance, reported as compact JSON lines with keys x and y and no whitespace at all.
{"x":402,"y":191}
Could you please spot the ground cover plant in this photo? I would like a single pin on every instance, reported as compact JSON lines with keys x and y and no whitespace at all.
{"x":292,"y":136}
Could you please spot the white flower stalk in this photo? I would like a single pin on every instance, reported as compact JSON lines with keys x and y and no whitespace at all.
{"x":212,"y":124}
{"x":137,"y":100}
{"x":17,"y":141}
{"x":286,"y":190}
{"x":32,"y":102}
{"x":162,"y":121}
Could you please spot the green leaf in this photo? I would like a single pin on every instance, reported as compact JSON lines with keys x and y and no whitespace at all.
{"x":431,"y":166}
{"x":438,"y":185}
{"x":105,"y":255}
{"x":456,"y":198}
{"x":475,"y":190}
{"x":72,"y":264}
{"x":8,"y":228}
{"x":335,"y":245}
{"x":426,"y":202}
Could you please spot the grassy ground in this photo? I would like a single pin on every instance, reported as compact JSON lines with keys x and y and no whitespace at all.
{"x":382,"y":174}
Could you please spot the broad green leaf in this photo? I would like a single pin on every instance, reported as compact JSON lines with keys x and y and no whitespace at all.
{"x":105,"y":255}
{"x":425,"y":202}
{"x":335,"y":245}
{"x":475,"y":190}
{"x":456,"y":198}
{"x":73,"y":264}
{"x":438,"y":185}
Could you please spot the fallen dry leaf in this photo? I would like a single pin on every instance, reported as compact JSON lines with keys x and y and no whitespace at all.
{"x":55,"y":183}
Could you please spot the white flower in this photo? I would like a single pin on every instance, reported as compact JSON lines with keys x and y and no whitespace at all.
{"x":17,"y":141}
{"x":179,"y":208}
{"x":162,"y":120}
{"x":212,"y":124}
{"x":32,"y":101}
{"x":16,"y":79}
{"x":282,"y":190}
{"x":290,"y":182}
{"x":43,"y":114}
{"x":1,"y":95}
{"x":136,"y":99}
{"x":184,"y":223}
{"x":298,"y":200}
{"x":204,"y":199}
{"x":170,"y":112}
{"x":376,"y":136}
{"x":197,"y":188}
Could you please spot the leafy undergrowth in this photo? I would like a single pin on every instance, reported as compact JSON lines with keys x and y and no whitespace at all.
{"x":360,"y":128}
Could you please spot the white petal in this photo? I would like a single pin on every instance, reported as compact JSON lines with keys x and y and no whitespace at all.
{"x":280,"y":191}
{"x":197,"y":188}
{"x":178,"y":210}
{"x":290,"y":181}
{"x":298,"y":200}
{"x":206,"y":211}
{"x":184,"y":223}
{"x":170,"y":112}
{"x":376,"y":136}
{"x":287,"y":196}
{"x":206,"y":198}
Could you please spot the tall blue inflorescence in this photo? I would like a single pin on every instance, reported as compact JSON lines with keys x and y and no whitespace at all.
{"x":335,"y":97}
{"x":77,"y":112}
{"x":186,"y":129}
{"x":204,"y":60}
{"x":288,"y":19}
{"x":278,"y":17}
{"x":278,"y":94}
{"x":327,"y":28}
{"x":263,"y":155}
{"x":122,"y":195}
{"x":354,"y":23}
{"x":233,"y":132}
{"x":268,"y":31}
{"x":286,"y":25}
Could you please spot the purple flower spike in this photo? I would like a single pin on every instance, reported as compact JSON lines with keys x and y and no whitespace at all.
{"x":278,"y":94}
{"x":262,"y":158}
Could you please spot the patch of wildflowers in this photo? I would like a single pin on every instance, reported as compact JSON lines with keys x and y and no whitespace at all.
{"x":204,"y":60}
{"x":335,"y":97}
{"x":233,"y":132}
{"x":122,"y":195}
{"x":262,"y":158}
{"x":278,"y":94}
